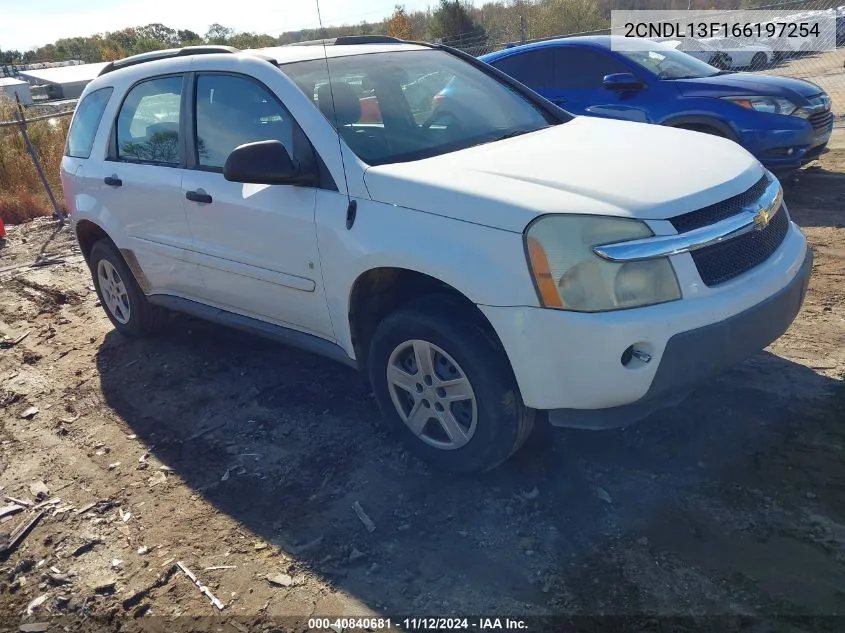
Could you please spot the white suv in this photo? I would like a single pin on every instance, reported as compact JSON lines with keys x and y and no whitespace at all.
{"x":486,"y":258}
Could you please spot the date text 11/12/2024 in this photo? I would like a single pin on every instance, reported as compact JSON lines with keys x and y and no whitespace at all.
{"x":417,"y":624}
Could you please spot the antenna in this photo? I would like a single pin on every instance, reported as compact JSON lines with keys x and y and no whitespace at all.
{"x":353,"y":205}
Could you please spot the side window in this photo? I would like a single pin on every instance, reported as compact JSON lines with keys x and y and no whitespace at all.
{"x":148,"y":122}
{"x":534,"y":68}
{"x":584,"y":67}
{"x":86,"y":120}
{"x":233,"y":110}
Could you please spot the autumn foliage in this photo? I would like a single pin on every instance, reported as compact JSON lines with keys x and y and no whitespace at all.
{"x":22,"y":195}
{"x":399,"y":26}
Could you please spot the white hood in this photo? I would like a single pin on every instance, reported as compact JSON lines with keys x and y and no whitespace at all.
{"x":589,"y":165}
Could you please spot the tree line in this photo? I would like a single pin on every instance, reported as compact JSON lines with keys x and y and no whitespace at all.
{"x":459,"y":23}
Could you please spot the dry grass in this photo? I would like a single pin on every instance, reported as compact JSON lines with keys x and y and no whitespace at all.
{"x":22,"y":195}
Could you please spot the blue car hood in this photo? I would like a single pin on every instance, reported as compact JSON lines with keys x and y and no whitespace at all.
{"x":747,"y":84}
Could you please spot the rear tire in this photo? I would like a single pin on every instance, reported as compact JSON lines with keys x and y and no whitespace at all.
{"x":475,"y":426}
{"x":122,"y":299}
{"x":759,"y":61}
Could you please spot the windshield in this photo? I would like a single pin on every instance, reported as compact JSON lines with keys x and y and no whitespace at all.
{"x":668,"y":63}
{"x":406,"y":105}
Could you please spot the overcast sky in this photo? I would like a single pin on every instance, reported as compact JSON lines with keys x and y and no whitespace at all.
{"x":25,"y":24}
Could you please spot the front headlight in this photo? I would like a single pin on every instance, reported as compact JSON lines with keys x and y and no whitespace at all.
{"x":570,"y":276}
{"x":772,"y":105}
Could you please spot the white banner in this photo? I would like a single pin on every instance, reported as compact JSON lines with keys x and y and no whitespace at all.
{"x":720,"y":30}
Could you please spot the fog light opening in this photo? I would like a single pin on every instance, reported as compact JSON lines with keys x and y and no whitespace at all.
{"x":636,"y":356}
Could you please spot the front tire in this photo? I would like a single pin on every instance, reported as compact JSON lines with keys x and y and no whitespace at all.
{"x":122,"y":299}
{"x":444,"y":385}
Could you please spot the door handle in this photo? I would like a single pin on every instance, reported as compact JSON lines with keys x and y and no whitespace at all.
{"x":198,"y":196}
{"x":113,"y":181}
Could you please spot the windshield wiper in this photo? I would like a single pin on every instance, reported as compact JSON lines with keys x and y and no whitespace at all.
{"x":512,"y":134}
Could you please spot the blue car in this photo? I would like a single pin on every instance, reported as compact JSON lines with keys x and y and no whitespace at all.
{"x":784,"y":122}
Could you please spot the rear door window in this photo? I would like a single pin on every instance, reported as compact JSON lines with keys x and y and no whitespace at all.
{"x":148,"y":122}
{"x":86,"y":120}
{"x":534,"y":68}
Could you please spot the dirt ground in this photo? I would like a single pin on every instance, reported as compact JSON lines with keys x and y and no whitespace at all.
{"x":243,"y":459}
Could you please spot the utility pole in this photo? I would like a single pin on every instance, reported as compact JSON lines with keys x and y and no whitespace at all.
{"x":522,"y":29}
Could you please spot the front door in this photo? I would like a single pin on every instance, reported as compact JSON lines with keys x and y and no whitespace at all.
{"x":255,"y":245}
{"x":579,"y":74}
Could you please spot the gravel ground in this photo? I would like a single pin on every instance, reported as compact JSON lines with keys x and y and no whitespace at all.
{"x":243,"y":460}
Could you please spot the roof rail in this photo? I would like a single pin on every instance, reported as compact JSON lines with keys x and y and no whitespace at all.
{"x":349,"y":40}
{"x":327,"y":42}
{"x":345,"y":40}
{"x":165,"y":54}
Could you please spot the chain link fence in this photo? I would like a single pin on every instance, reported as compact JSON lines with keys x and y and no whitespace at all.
{"x":787,"y":58}
{"x":31,"y":146}
{"x":32,"y":140}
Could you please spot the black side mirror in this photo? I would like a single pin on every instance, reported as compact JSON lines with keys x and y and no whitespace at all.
{"x":622,"y":81}
{"x":264,"y":163}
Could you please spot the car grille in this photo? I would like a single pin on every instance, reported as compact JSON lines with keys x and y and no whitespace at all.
{"x":721,"y":210}
{"x":721,"y":262}
{"x":821,"y":121}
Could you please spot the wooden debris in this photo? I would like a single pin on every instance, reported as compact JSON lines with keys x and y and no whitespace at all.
{"x":20,"y":502}
{"x":17,"y":535}
{"x":9,"y":510}
{"x":12,"y":343}
{"x":86,"y":507}
{"x":367,"y":521}
{"x":202,"y":432}
{"x":203,"y":589}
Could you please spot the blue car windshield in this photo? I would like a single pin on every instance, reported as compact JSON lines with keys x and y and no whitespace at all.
{"x":668,"y":63}
{"x":399,"y":106}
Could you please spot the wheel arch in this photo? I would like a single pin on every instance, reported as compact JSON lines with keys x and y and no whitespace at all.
{"x":89,"y":233}
{"x":380,"y":291}
{"x":697,"y":121}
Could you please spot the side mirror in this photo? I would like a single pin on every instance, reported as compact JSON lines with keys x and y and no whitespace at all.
{"x":622,"y":81}
{"x":264,"y":163}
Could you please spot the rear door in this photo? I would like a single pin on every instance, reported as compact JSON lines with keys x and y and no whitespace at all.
{"x":255,"y":245}
{"x":140,"y":185}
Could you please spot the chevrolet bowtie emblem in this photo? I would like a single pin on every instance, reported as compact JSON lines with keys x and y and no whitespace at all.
{"x":761,"y":219}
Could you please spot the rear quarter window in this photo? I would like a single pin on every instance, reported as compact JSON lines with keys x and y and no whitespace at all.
{"x":86,"y":120}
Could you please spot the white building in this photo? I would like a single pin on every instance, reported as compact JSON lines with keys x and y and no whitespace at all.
{"x":66,"y":82}
{"x":12,"y":87}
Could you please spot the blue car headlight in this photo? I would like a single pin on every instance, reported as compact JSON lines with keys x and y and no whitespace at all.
{"x":772,"y":105}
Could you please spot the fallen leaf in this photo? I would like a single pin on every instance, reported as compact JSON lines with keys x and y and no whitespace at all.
{"x":29,"y":413}
{"x":32,"y":606}
{"x":280,"y":580}
{"x":601,"y":493}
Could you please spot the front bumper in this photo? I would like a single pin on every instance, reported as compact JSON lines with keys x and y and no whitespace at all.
{"x":570,"y":363}
{"x":694,"y":356}
{"x":769,"y":147}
